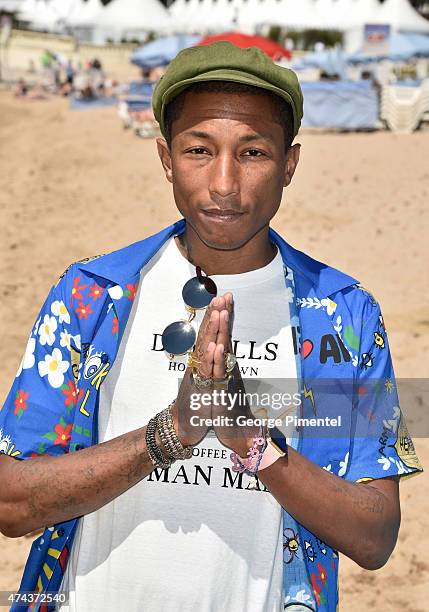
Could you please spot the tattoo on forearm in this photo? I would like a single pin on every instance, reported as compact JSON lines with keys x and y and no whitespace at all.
{"x":364,"y":498}
{"x":92,"y":483}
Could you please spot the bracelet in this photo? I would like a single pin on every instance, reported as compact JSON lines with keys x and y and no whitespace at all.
{"x":250,"y":465}
{"x":155,"y":453}
{"x":169,"y":438}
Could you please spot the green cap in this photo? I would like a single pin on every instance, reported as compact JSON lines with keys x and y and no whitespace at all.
{"x":223,"y":61}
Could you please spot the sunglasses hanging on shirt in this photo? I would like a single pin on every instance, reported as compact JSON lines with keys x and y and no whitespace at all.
{"x":179,"y":337}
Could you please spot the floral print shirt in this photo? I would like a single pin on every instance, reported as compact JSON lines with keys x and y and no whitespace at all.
{"x":344,"y":365}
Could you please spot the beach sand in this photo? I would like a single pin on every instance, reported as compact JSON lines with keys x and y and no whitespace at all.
{"x":358,"y":202}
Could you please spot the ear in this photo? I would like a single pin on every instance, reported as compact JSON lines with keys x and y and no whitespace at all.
{"x":292,"y":159}
{"x":165,"y":157}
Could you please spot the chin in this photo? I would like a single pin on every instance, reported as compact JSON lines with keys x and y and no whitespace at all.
{"x":223,"y":244}
{"x":223,"y":240}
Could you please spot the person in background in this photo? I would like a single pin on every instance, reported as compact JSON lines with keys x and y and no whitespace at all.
{"x":97,"y":76}
{"x":21,"y":89}
{"x":69,"y":72}
{"x":46,"y":59}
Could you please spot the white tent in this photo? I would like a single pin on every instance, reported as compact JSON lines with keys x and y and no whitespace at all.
{"x":84,"y":14}
{"x":134,"y":15}
{"x":46,"y":15}
{"x":28,"y":9}
{"x":40,"y":14}
{"x":203,"y":17}
{"x":348,"y":16}
{"x":10,"y":5}
{"x":293,"y":14}
{"x":399,"y":14}
{"x":402,"y":16}
{"x":63,"y":8}
{"x":248,"y":15}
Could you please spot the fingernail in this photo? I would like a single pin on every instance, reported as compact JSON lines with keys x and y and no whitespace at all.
{"x":226,"y":316}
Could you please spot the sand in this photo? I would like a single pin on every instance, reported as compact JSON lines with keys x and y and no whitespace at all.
{"x":358,"y":201}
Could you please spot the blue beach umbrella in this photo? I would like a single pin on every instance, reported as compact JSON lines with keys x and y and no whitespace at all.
{"x":161,"y":51}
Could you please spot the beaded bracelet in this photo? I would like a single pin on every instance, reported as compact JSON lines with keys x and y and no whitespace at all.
{"x":155,"y":453}
{"x":250,"y":465}
{"x":169,"y":438}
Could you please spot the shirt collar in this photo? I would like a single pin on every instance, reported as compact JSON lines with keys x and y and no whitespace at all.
{"x":119,"y":266}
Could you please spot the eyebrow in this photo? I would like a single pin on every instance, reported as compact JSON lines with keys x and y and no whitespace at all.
{"x":245,"y":138}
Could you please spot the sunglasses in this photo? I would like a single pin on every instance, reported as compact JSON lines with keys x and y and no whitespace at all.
{"x":179,"y":337}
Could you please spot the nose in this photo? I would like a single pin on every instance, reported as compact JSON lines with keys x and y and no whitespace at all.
{"x":224,"y":176}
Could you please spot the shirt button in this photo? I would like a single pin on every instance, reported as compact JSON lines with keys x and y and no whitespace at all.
{"x":60,"y":532}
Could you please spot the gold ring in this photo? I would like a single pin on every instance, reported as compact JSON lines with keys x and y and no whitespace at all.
{"x":230,"y":361}
{"x":201,"y":382}
{"x":193,"y":361}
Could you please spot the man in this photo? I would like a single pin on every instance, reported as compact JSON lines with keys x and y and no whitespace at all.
{"x":239,"y":523}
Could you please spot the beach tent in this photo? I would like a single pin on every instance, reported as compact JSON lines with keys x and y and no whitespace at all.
{"x":398,"y":14}
{"x":250,"y":15}
{"x":55,"y":14}
{"x":85,"y":14}
{"x":295,"y":14}
{"x":45,"y":15}
{"x":83,"y":18}
{"x":161,"y":51}
{"x":201,"y":17}
{"x":402,"y":16}
{"x":61,"y":9}
{"x":126,"y":16}
{"x":210,"y":16}
{"x":30,"y":9}
{"x":11,"y":6}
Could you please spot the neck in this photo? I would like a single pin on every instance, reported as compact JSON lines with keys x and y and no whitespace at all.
{"x":256,"y":253}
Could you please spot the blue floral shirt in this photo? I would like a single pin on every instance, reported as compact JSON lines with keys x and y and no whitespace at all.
{"x":344,"y":368}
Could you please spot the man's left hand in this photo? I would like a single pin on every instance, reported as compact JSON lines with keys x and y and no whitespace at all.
{"x":230,"y":404}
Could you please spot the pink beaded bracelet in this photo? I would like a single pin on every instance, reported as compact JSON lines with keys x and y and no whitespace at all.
{"x":250,"y":464}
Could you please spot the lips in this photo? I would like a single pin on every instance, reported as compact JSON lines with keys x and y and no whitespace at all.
{"x":227,"y":214}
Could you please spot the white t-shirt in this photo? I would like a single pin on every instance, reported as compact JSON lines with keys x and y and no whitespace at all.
{"x":192,"y":538}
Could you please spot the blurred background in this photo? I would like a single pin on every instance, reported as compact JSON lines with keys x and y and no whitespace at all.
{"x":79,"y":175}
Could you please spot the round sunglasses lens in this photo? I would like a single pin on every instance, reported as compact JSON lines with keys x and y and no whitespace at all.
{"x":178,"y":337}
{"x":198,"y":292}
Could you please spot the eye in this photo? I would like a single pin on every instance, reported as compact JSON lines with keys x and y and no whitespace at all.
{"x":254,"y":153}
{"x":92,"y":366}
{"x":198,"y":150}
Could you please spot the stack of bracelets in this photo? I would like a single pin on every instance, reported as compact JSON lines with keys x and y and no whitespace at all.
{"x":163,"y":422}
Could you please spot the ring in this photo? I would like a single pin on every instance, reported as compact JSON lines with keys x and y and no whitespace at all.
{"x":201,"y":382}
{"x":230,"y":361}
{"x":193,"y":361}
